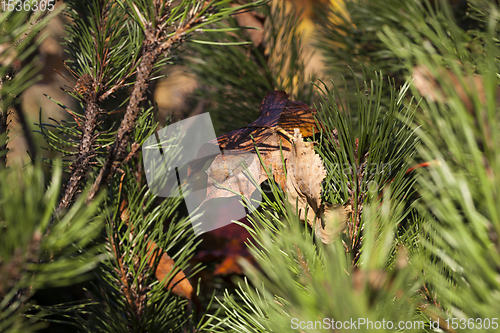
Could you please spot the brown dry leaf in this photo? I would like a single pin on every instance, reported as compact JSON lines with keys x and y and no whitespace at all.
{"x":179,"y":284}
{"x":429,"y":87}
{"x":227,"y":245}
{"x":238,"y":148}
{"x":304,"y":172}
{"x":252,"y":19}
{"x":227,"y":169}
{"x":276,"y":110}
{"x":333,"y":222}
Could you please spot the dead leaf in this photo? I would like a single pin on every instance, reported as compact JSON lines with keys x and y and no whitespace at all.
{"x":430,"y":87}
{"x":226,"y":244}
{"x":304,"y":172}
{"x":276,"y":110}
{"x":333,"y":222}
{"x":238,"y":148}
{"x":179,"y":283}
{"x":228,"y":169}
{"x":252,"y":19}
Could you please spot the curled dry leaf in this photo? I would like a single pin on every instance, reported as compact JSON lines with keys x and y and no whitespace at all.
{"x":238,"y":148}
{"x":333,"y":222}
{"x":179,"y":284}
{"x":252,"y":19}
{"x":305,"y":172}
{"x":293,"y":163}
{"x":430,"y":86}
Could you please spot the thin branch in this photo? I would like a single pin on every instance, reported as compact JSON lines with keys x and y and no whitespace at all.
{"x":122,"y":275}
{"x":82,"y":163}
{"x":151,"y":50}
{"x":90,"y":89}
{"x":3,"y":129}
{"x":117,"y":86}
{"x":303,"y":264}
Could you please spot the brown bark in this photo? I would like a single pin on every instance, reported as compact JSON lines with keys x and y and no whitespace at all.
{"x":85,"y":152}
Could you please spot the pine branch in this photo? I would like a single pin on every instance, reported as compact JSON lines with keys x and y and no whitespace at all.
{"x":33,"y":259}
{"x":91,"y":90}
{"x":18,"y":67}
{"x":121,"y":270}
{"x":82,"y":163}
{"x":153,"y":46}
{"x":3,"y":132}
{"x":137,"y":290}
{"x":152,"y":49}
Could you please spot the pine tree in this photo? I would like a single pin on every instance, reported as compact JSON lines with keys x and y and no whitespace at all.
{"x":425,"y":245}
{"x":116,"y":49}
{"x":406,"y":111}
{"x":37,"y":249}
